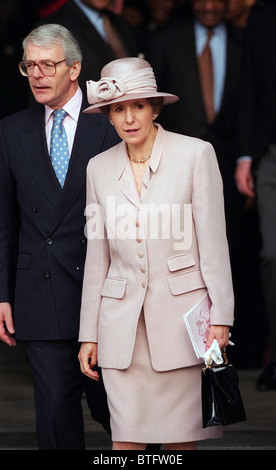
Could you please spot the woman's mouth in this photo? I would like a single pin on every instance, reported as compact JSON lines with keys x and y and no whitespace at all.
{"x":131,"y":131}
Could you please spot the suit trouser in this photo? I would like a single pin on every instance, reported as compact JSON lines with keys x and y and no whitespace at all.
{"x":58,"y":389}
{"x":266,"y":201}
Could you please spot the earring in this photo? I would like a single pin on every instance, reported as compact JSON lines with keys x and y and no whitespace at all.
{"x":155,"y":116}
{"x":111,"y":122}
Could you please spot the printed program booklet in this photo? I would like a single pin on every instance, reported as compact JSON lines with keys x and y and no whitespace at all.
{"x":197,"y":321}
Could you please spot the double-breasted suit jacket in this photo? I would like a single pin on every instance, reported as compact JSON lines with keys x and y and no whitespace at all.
{"x":42,"y":242}
{"x":133,"y":263}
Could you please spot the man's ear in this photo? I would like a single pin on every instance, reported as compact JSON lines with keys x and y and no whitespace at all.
{"x":75,"y":71}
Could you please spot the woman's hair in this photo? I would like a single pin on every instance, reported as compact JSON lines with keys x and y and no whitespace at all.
{"x":156,"y":104}
{"x":54,"y":34}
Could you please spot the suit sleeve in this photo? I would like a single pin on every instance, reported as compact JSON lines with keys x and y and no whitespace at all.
{"x":96,"y":264}
{"x":209,"y":219}
{"x":9,"y":226}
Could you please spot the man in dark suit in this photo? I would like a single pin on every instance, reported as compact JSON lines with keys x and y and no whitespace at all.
{"x":174,"y":55}
{"x":86,"y":21}
{"x":256,"y":168}
{"x":42,"y":242}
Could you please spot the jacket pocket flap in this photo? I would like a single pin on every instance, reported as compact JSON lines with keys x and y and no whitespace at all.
{"x":180,"y":262}
{"x":114,"y":288}
{"x":186,"y":282}
{"x":23,"y":261}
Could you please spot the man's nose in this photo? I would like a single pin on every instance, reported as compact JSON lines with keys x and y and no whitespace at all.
{"x":37,"y":72}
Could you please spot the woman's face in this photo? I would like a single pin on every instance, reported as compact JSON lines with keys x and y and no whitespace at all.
{"x":133,"y":121}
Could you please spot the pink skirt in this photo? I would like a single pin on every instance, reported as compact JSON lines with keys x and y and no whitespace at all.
{"x":155,"y":407}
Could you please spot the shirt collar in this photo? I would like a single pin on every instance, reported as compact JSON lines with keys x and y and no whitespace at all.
{"x":72,"y":107}
{"x":201,"y":34}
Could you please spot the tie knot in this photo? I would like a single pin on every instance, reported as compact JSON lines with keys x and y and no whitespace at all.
{"x":59,"y":115}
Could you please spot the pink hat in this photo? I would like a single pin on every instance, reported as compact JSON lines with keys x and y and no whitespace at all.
{"x":124,"y":79}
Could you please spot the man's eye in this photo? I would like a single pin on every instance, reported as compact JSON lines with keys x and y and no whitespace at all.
{"x":47,"y":64}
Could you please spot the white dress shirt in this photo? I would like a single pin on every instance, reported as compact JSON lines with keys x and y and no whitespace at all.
{"x":72,"y":107}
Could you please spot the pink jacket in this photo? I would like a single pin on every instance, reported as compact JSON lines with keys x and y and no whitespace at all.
{"x":138,"y":259}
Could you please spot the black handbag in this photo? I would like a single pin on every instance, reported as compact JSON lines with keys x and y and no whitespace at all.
{"x":221,"y":398}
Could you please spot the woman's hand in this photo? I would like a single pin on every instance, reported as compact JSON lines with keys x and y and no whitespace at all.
{"x":220,"y":333}
{"x":88,"y":360}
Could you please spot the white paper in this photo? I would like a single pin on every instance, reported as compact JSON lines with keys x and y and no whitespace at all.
{"x":197,"y":321}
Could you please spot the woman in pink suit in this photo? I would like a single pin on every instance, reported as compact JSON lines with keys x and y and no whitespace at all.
{"x":156,"y":245}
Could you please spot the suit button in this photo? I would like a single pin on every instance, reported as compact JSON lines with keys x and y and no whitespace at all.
{"x":35,"y":209}
{"x":49,"y":241}
{"x":47,"y":275}
{"x":83,"y":240}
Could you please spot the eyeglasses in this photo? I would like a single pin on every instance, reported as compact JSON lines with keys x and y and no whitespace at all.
{"x":46,"y":67}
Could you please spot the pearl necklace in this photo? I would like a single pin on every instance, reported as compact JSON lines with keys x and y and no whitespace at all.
{"x":138,"y":161}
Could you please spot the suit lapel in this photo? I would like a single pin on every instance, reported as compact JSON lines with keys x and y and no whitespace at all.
{"x":125,"y":176}
{"x":233,"y":60}
{"x":192,"y":79}
{"x":36,"y":153}
{"x":83,"y":24}
{"x":87,"y":143}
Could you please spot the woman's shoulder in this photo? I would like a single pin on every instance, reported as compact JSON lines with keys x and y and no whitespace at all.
{"x":186,"y":143}
{"x":108,"y":157}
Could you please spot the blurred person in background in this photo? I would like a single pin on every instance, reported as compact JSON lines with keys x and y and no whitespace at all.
{"x":255,"y":172}
{"x":102,"y":34}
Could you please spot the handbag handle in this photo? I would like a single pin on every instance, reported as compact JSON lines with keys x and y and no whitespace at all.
{"x":225,"y":359}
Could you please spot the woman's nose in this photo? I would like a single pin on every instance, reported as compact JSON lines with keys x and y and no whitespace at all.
{"x":129,"y":115}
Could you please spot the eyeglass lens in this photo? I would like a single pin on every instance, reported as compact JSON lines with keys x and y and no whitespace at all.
{"x":47,"y":67}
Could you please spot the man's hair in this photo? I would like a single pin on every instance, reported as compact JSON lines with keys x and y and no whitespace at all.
{"x":52,"y":35}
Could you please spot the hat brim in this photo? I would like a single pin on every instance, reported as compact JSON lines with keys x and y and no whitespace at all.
{"x":167,"y":99}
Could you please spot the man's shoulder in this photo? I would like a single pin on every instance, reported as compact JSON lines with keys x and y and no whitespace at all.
{"x":22,"y":117}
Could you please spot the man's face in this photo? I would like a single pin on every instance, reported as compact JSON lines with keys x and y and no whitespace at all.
{"x":209,"y":12}
{"x":56,"y":90}
{"x":97,"y":4}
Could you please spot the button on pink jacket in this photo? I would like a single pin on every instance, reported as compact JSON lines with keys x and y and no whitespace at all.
{"x":136,"y":257}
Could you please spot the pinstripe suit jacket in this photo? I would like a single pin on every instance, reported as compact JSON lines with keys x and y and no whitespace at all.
{"x":42,"y":242}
